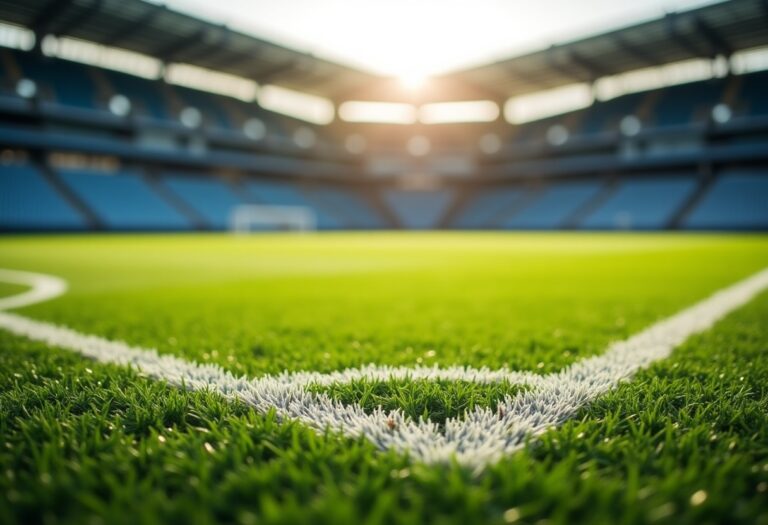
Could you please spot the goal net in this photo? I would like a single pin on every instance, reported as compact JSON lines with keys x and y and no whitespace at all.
{"x":257,"y":217}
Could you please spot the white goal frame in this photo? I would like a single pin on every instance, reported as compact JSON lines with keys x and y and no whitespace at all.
{"x":243,"y":218}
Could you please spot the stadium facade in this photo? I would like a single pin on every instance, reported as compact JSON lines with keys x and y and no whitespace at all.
{"x":91,"y":148}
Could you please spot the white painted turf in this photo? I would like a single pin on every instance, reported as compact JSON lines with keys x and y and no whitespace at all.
{"x":480,"y":438}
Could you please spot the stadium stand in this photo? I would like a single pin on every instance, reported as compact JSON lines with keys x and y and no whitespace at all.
{"x":208,"y":197}
{"x":738,"y":200}
{"x":65,"y":83}
{"x":123,"y":200}
{"x":554,"y":206}
{"x":643,"y":204}
{"x":146,"y":98}
{"x":287,"y":194}
{"x":29,"y":202}
{"x":486,"y":207}
{"x":614,"y":164}
{"x":351,"y":206}
{"x":752,"y":100}
{"x":418,"y":210}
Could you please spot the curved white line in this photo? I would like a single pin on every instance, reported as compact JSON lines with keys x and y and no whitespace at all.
{"x":44,"y":288}
{"x":483,"y":436}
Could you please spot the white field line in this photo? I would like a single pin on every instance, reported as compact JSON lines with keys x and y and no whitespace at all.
{"x":481,"y":437}
{"x":43,"y":288}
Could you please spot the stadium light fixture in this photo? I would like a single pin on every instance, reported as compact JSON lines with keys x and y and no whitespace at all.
{"x":26,"y":88}
{"x":303,"y":106}
{"x":196,"y":77}
{"x":119,"y":105}
{"x":16,"y":37}
{"x":377,"y":112}
{"x":721,"y":113}
{"x":454,"y":112}
{"x":191,"y":117}
{"x":255,"y":129}
{"x":542,"y":104}
{"x":630,"y":126}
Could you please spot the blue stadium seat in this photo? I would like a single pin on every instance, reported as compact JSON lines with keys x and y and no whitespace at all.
{"x":29,"y":202}
{"x":753,"y":93}
{"x":554,"y":206}
{"x":736,"y":200}
{"x":124,"y":201}
{"x":208,"y":104}
{"x":605,"y":116}
{"x":287,"y":194}
{"x":209,"y":196}
{"x":145,"y":95}
{"x":348,"y":204}
{"x":419,"y":209}
{"x":687,"y":103}
{"x":68,"y":81}
{"x":487,"y":207}
{"x":642,"y":204}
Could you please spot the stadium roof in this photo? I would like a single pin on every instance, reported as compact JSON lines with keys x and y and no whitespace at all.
{"x":706,"y":32}
{"x":155,"y":30}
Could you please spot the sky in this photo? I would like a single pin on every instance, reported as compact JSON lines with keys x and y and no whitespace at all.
{"x":414,"y":39}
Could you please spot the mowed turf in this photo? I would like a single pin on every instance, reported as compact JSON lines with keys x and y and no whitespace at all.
{"x":685,"y":442}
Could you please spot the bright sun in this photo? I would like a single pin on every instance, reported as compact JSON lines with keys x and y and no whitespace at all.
{"x":412,"y":81}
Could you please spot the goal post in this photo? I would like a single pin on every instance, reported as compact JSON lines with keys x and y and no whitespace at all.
{"x":260,"y":217}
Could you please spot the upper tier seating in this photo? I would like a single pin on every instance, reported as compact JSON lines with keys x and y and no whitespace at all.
{"x":147,"y":98}
{"x":605,"y":116}
{"x":752,"y":98}
{"x":29,"y":202}
{"x":686,"y":103}
{"x":60,"y":81}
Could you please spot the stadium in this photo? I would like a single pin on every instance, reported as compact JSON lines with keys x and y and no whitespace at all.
{"x":253,"y":272}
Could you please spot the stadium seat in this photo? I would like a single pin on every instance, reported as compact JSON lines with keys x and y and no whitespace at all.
{"x":419,"y":209}
{"x":687,"y":103}
{"x":736,"y":200}
{"x":124,"y":201}
{"x":641,"y":204}
{"x":68,"y":82}
{"x":487,"y":207}
{"x":752,"y":97}
{"x":208,"y":104}
{"x":287,"y":194}
{"x":605,"y":116}
{"x":145,"y":95}
{"x":207,"y":195}
{"x":347,"y":203}
{"x":554,"y":206}
{"x":29,"y":202}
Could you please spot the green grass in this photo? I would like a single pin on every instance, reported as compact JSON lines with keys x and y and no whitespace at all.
{"x":431,"y":400}
{"x":9,"y":289}
{"x":684,"y":442}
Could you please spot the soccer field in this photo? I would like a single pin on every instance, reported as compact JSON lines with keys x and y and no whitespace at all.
{"x":685,"y":440}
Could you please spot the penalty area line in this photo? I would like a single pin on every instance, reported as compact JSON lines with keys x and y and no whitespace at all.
{"x":482,"y":436}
